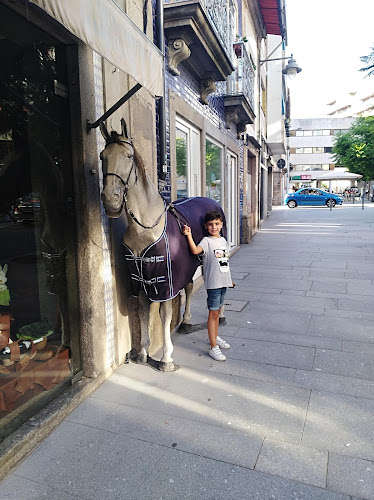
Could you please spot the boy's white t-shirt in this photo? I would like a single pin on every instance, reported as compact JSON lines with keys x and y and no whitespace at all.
{"x":216,"y":262}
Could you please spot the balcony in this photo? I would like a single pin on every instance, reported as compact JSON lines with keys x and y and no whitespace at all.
{"x":200,"y":34}
{"x":239,"y":99}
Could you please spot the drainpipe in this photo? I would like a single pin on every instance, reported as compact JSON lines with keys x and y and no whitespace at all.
{"x":160,"y":42}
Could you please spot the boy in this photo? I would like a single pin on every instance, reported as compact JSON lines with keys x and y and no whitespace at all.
{"x":217,"y":276}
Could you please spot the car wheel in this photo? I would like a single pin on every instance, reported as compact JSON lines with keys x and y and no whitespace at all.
{"x":331,"y":203}
{"x":292,"y":204}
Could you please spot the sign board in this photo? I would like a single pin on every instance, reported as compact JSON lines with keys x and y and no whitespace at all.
{"x":305,"y":177}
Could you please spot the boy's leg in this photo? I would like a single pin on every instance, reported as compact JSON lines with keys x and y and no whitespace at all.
{"x":213,"y":321}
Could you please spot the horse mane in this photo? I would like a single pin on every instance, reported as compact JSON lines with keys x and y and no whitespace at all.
{"x":140,"y":165}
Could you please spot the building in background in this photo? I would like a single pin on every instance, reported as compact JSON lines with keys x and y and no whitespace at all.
{"x":359,"y":102}
{"x":311,"y":143}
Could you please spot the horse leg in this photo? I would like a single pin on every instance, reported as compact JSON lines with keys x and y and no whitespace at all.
{"x":143,"y":311}
{"x":166,"y":362}
{"x":185,"y":326}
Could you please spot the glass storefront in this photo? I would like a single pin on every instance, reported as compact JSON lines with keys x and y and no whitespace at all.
{"x":38,"y":346}
{"x":213,"y":171}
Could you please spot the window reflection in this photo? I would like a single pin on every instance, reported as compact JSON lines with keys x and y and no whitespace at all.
{"x":213,"y":171}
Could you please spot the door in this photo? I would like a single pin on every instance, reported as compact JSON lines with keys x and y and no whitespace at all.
{"x":232,"y":199}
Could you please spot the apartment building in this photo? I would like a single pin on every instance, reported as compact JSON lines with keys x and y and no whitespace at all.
{"x":311,"y":142}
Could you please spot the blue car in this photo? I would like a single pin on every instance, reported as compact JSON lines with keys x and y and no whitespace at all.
{"x":313,"y":197}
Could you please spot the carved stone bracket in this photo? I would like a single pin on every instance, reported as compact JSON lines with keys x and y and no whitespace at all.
{"x":241,"y":127}
{"x":231,"y":117}
{"x":178,"y":52}
{"x":208,"y":86}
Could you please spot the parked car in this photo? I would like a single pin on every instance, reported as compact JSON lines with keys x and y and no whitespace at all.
{"x":27,"y":209}
{"x":312,"y":197}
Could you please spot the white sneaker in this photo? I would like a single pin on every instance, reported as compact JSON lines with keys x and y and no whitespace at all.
{"x":222,"y":344}
{"x":215,"y":353}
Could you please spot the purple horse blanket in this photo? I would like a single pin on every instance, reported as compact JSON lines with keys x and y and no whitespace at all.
{"x":164,"y":268}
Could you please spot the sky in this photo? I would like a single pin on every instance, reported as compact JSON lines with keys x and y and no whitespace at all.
{"x":327,"y":39}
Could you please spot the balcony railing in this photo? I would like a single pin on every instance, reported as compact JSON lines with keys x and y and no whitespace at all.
{"x":242,"y":80}
{"x":222,"y":15}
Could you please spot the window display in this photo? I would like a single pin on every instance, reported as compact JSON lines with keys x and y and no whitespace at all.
{"x":36,"y":228}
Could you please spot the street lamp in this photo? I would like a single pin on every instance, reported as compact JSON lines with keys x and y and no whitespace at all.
{"x":290,"y":70}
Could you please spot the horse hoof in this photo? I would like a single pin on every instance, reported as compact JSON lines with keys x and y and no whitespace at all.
{"x":222,"y":321}
{"x":141,"y":359}
{"x":168,"y":367}
{"x":185,"y":328}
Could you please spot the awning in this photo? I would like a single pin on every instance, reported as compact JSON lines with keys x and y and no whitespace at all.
{"x":104,"y":27}
{"x":271,"y":14}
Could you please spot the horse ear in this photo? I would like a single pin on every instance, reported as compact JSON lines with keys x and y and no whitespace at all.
{"x":124,"y":128}
{"x":104,"y":131}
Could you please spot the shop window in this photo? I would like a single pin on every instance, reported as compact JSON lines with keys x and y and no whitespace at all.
{"x":36,"y":223}
{"x":187,"y":144}
{"x":213,"y":161}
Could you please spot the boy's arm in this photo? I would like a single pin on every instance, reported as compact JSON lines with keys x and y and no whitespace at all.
{"x":195,"y":249}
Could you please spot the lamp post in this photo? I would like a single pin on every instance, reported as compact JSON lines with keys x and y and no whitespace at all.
{"x":290,"y":70}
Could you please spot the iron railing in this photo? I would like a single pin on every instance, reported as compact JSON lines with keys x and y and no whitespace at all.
{"x":222,"y":15}
{"x":242,"y":80}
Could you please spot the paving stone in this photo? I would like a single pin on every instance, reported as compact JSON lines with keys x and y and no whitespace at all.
{"x":328,"y":286}
{"x":275,"y":318}
{"x":362,"y":347}
{"x":306,"y":302}
{"x":130,"y":386}
{"x":339,"y":313}
{"x":258,"y":371}
{"x":348,"y":364}
{"x":293,"y":461}
{"x":234,"y":305}
{"x":272,"y":353}
{"x":16,"y":488}
{"x":356,"y":305}
{"x":354,"y":288}
{"x":351,"y":476}
{"x":289,"y":338}
{"x":179,"y":475}
{"x":341,"y":327}
{"x":93,"y":465}
{"x":238,"y":403}
{"x":334,"y":383}
{"x":343,"y":424}
{"x":192,"y":436}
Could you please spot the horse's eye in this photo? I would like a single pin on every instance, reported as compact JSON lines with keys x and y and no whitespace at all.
{"x":130,"y":155}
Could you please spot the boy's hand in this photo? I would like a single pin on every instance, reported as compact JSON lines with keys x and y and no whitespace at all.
{"x":186,"y":230}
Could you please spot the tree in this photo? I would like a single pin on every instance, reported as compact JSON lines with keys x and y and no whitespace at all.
{"x":355,"y":149}
{"x":369,"y":63}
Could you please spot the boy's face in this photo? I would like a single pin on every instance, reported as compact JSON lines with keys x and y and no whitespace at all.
{"x":214,"y":227}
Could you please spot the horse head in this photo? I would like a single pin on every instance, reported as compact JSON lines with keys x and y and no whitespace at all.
{"x":119,"y":169}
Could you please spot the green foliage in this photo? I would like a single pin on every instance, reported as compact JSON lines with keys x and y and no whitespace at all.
{"x":181,"y":147}
{"x":369,"y":63}
{"x":213,"y":162}
{"x":34,"y":331}
{"x":355,"y":149}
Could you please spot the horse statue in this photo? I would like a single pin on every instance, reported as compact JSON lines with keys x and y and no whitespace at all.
{"x":157,"y":255}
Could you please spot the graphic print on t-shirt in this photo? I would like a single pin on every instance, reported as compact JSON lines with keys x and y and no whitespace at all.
{"x":222,"y":256}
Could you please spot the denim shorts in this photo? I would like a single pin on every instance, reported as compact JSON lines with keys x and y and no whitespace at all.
{"x":216,"y":298}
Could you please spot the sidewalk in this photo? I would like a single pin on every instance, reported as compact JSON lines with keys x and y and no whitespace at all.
{"x":289,"y":415}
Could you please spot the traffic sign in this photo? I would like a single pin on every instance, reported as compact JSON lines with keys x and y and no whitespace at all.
{"x":281,"y":163}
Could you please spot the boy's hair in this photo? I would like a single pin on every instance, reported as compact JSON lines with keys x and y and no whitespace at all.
{"x":212,"y":215}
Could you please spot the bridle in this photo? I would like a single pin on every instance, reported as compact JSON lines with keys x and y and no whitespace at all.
{"x":126,"y":188}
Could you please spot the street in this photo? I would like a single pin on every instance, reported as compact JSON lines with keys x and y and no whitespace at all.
{"x":289,"y":415}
